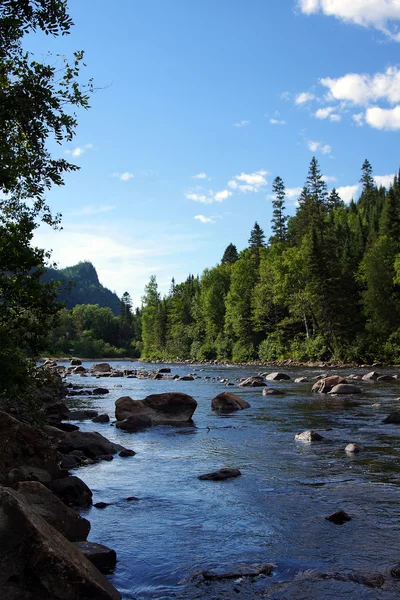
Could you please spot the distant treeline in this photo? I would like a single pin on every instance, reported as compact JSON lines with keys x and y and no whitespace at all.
{"x":326,"y":285}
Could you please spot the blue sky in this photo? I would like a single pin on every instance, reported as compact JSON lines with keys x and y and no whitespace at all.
{"x":200,"y":104}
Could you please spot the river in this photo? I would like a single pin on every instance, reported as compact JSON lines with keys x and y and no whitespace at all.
{"x":275,"y":512}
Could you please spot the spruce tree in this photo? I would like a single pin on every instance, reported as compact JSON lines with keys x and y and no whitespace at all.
{"x":257,"y":238}
{"x":279,"y":220}
{"x":334,"y":200}
{"x":230,"y":255}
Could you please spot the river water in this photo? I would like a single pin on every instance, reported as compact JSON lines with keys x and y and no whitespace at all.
{"x":275,"y":512}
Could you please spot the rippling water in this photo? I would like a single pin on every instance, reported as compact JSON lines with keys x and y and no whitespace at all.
{"x":275,"y":511}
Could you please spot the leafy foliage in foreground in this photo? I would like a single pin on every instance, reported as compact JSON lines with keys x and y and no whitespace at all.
{"x":326,"y":287}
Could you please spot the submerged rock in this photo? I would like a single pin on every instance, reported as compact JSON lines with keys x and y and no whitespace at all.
{"x":237,"y":571}
{"x":345,"y":388}
{"x":339,"y":517}
{"x":228,"y":402}
{"x":308,"y":436}
{"x":267,"y":391}
{"x":220,"y":475}
{"x":393,"y":417}
{"x":100,"y":556}
{"x":353,"y":448}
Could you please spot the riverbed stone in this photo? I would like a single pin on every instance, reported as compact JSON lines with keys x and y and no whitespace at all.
{"x":102,"y":557}
{"x":91,"y":443}
{"x":228,"y":402}
{"x":170,"y":408}
{"x":372,"y":376}
{"x":345,"y":388}
{"x":74,"y":527}
{"x":37,"y":562}
{"x":255,"y":381}
{"x":75,"y":362}
{"x":267,"y":391}
{"x":29,"y":474}
{"x":308,"y":436}
{"x":237,"y":571}
{"x":127,"y":452}
{"x":220,"y":475}
{"x":301,"y":380}
{"x":393,"y":417}
{"x":101,"y":419}
{"x":339,"y":517}
{"x":278,"y":376}
{"x":353,"y":448}
{"x":100,"y":391}
{"x":72,"y":491}
{"x":101,"y":368}
{"x":324,"y":385}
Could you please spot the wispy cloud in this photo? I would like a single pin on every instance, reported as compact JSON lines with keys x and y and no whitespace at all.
{"x":204,"y":219}
{"x":277,"y":122}
{"x":249,"y":182}
{"x":379,"y":14}
{"x":95,"y":210}
{"x":242,"y":123}
{"x":319,"y":147}
{"x":79,"y":150}
{"x":304,"y":97}
{"x":200,"y":176}
{"x":125,"y":176}
{"x":327,"y":113}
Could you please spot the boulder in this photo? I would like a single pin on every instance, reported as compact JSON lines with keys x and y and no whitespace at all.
{"x":100,"y":391}
{"x":324,"y":385}
{"x":79,"y":369}
{"x":185,"y":378}
{"x":101,"y":368}
{"x":91,"y":443}
{"x":127,"y":452}
{"x":38,"y":563}
{"x":164,"y":370}
{"x":74,"y":527}
{"x":24,"y":446}
{"x":237,"y":572}
{"x":228,"y":402}
{"x":301,"y":380}
{"x":82,"y":415}
{"x":277,"y":377}
{"x":394,"y":418}
{"x":308,"y":436}
{"x":100,"y":556}
{"x":72,"y":491}
{"x":339,"y":517}
{"x":353,"y":448}
{"x":101,"y":419}
{"x":386,"y":378}
{"x":75,"y":362}
{"x":220,"y":475}
{"x":134,"y":423}
{"x":345,"y":388}
{"x":256,"y":381}
{"x":267,"y":391}
{"x":372,"y":376}
{"x":170,"y":408}
{"x":29,"y":474}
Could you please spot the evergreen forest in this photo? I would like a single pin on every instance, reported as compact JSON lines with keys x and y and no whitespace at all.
{"x":324,"y":286}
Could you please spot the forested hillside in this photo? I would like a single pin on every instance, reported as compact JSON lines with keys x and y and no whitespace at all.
{"x":80,"y":285}
{"x":325,"y":285}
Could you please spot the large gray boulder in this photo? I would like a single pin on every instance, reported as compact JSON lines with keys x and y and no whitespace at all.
{"x":101,"y":368}
{"x":308,"y":436}
{"x":172,"y":408}
{"x":277,"y":377}
{"x":256,"y":381}
{"x":324,"y":385}
{"x":345,"y":388}
{"x":38,"y":563}
{"x":91,"y":443}
{"x":228,"y":402}
{"x":74,"y":527}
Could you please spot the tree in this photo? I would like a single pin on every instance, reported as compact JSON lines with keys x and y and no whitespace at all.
{"x":35,"y":103}
{"x":230,"y":255}
{"x":257,"y":237}
{"x":279,"y":220}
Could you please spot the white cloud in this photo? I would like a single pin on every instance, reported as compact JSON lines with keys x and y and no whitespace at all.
{"x":383,"y":118}
{"x":327,"y":113}
{"x":200,"y":176}
{"x":367,"y":13}
{"x":319,"y":147}
{"x":79,"y":150}
{"x":348,"y":192}
{"x":93,"y":210}
{"x":202,"y":198}
{"x":277,"y":122}
{"x":125,"y":176}
{"x":329,"y":178}
{"x":242,"y":124}
{"x":363,"y":89}
{"x":359,"y":119}
{"x":204,"y":219}
{"x":304,"y":97}
{"x":384,"y":180}
{"x":249,"y":182}
{"x":291,"y":193}
{"x":222,"y":195}
{"x":286,"y":96}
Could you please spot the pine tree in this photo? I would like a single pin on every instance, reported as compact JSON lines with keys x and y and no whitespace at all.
{"x":366,"y":178}
{"x":257,"y":237}
{"x":230,"y":255}
{"x":334,"y":200}
{"x":279,"y":220}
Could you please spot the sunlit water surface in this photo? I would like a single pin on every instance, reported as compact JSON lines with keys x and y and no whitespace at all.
{"x":275,"y":512}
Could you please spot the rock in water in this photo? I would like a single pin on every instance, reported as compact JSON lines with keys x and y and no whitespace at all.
{"x":339,"y":517}
{"x":308,"y":436}
{"x":353,"y":448}
{"x":172,"y":408}
{"x":220,"y":475}
{"x":228,"y":402}
{"x":37,"y":562}
{"x":277,"y":377}
{"x":252,"y":382}
{"x":100,"y":556}
{"x":324,"y":385}
{"x":345,"y":388}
